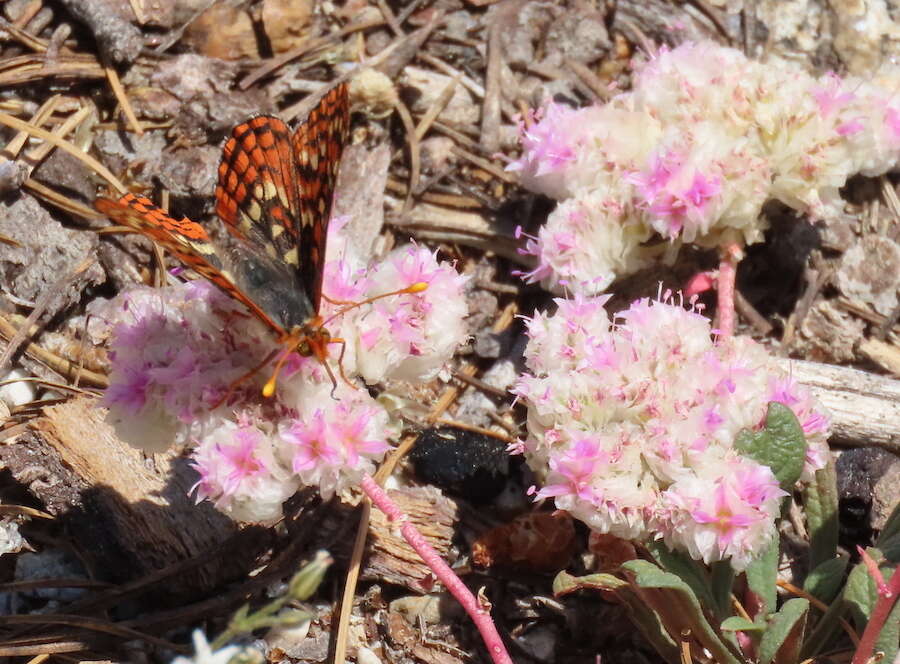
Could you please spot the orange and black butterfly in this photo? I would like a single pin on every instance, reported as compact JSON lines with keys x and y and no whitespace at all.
{"x":274,"y":195}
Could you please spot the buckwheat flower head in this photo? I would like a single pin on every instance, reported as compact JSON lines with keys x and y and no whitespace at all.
{"x":632,"y":422}
{"x":188,"y":365}
{"x":411,"y":336}
{"x":173,"y":353}
{"x":691,"y":153}
{"x":332,"y":442}
{"x":243,"y":470}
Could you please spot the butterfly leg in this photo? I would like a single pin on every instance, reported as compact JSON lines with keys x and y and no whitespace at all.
{"x":343,"y":343}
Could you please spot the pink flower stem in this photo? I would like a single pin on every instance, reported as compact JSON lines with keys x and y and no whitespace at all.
{"x":729,"y":257}
{"x":887,"y":596}
{"x":479,"y":614}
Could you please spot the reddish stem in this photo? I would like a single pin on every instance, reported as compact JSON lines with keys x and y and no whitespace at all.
{"x":480,"y":616}
{"x":729,"y":257}
{"x":887,"y":596}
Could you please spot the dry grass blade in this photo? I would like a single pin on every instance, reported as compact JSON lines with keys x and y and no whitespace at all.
{"x":23,"y":510}
{"x":22,"y":36}
{"x":92,"y":624}
{"x":490,"y":108}
{"x":415,"y":160}
{"x":137,"y":6}
{"x":59,"y":200}
{"x":40,"y":152}
{"x":81,"y":155}
{"x":275,"y":63}
{"x":590,"y":79}
{"x":484,"y":164}
{"x":14,"y":147}
{"x":53,"y":385}
{"x":58,"y":364}
{"x":43,"y":302}
{"x":436,"y":108}
{"x":122,"y":98}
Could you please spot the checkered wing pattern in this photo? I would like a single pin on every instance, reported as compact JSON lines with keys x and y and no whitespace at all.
{"x":318,"y":145}
{"x":275,"y":190}
{"x":187,"y":240}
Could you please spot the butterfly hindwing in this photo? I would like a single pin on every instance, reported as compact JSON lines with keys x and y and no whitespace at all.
{"x":318,"y":144}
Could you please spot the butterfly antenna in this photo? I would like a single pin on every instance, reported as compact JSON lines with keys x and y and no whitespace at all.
{"x":417,"y":287}
{"x":269,"y":388}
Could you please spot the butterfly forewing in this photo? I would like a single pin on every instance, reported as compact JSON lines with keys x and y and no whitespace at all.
{"x":318,"y":145}
{"x":257,"y":192}
{"x":187,"y":240}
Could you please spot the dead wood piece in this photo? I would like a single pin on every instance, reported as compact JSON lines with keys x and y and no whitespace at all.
{"x":885,"y":355}
{"x":360,"y":195}
{"x":865,"y":408}
{"x":391,"y":559}
{"x":129,"y":516}
{"x":27,"y":68}
{"x":490,"y":109}
{"x":467,"y":228}
{"x":119,"y":40}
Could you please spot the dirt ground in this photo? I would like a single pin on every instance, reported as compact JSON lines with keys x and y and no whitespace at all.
{"x":117,"y":562}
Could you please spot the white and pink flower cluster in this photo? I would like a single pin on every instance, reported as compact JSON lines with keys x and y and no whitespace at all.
{"x":632,"y":422}
{"x":691,"y":154}
{"x":177,"y":352}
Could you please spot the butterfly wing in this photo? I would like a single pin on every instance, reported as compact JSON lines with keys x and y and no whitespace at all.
{"x":256,"y":194}
{"x":187,"y":240}
{"x":318,"y":145}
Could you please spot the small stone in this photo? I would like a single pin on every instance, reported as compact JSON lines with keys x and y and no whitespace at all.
{"x":869,"y":273}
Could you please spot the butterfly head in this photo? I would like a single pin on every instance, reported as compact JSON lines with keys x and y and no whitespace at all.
{"x":308,"y":340}
{"x":312,"y":339}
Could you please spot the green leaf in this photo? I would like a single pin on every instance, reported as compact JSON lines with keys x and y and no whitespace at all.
{"x":890,"y":547}
{"x":861,"y":595}
{"x":722,"y":582}
{"x":687,"y":569}
{"x":781,"y":445}
{"x":825,"y":581}
{"x":646,"y":620}
{"x":820,"y":502}
{"x":782,"y":639}
{"x":889,"y":638}
{"x":739,"y":624}
{"x":565,"y":583}
{"x":762,"y":575}
{"x":860,"y":591}
{"x":826,"y":629}
{"x":891,"y":528}
{"x":678,"y":608}
{"x":649,"y":624}
{"x":889,"y":539}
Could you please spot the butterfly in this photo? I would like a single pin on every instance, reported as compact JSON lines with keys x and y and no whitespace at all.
{"x":274,"y":196}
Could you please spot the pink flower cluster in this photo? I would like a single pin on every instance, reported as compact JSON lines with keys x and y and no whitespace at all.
{"x":631,"y":426}
{"x":704,"y":139}
{"x":178,"y":354}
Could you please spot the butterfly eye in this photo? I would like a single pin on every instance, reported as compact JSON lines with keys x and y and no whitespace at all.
{"x":304,"y":349}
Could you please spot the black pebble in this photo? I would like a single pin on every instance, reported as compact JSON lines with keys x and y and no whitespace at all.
{"x":464,"y":463}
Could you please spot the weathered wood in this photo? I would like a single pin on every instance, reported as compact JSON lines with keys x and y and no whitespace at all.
{"x":129,"y":514}
{"x":865,"y":407}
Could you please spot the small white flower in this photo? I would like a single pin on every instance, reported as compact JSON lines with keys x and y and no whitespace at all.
{"x":203,"y":654}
